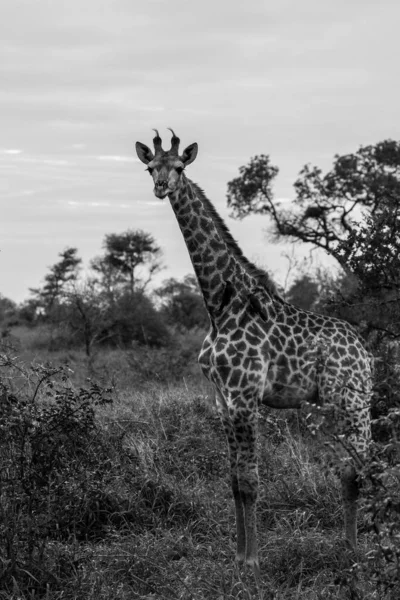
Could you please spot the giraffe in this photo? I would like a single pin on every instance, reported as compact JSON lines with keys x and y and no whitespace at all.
{"x":261,"y":349}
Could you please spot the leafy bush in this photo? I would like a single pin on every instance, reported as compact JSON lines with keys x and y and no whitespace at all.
{"x":54,"y":472}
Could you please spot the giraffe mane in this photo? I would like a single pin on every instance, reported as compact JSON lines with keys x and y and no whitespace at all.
{"x":262,"y":277}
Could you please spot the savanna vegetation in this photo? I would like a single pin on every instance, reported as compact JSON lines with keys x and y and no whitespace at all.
{"x":114,"y":479}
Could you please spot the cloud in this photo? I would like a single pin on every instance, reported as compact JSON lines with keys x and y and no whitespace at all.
{"x":11,"y":151}
{"x":117,"y":158}
{"x":82,"y":81}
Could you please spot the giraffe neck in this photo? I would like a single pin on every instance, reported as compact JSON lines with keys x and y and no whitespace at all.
{"x":216,"y":257}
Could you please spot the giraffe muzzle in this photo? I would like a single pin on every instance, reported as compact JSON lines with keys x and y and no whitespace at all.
{"x":161,"y":189}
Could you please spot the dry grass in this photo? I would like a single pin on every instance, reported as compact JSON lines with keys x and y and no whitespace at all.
{"x":167,"y":515}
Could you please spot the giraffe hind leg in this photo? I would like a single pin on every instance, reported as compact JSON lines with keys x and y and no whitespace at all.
{"x":350,"y":492}
{"x":358,"y":442}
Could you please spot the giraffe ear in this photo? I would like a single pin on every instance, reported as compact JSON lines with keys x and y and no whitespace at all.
{"x":144,"y":153}
{"x":189,"y":154}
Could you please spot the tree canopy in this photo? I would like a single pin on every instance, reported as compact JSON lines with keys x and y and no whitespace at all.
{"x":327,"y":208}
{"x":352,"y":212}
{"x":125,"y":253}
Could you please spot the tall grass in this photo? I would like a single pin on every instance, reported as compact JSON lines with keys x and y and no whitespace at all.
{"x":130,"y":498}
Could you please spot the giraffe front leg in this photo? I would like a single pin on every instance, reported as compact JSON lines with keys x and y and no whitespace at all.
{"x":233,"y":456}
{"x":245,"y":430}
{"x":240,"y":516}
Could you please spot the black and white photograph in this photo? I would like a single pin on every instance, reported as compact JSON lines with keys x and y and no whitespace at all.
{"x":199,"y":300}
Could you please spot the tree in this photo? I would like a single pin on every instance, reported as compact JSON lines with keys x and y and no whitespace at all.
{"x":134,"y":319}
{"x":58,"y":282}
{"x":303,"y":292}
{"x":326,"y":208}
{"x":183,"y":304}
{"x":126,"y":255}
{"x":8,"y":310}
{"x":87,"y":314}
{"x":107,"y":278}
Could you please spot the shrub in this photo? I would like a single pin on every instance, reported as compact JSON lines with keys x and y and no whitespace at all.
{"x":54,"y":472}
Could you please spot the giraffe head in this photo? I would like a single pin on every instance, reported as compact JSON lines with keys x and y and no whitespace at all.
{"x":166,"y":167}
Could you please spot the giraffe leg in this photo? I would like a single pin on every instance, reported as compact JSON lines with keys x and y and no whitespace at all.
{"x":241,"y":431}
{"x":247,"y":468}
{"x":240,"y":523}
{"x":233,"y":457}
{"x":350,"y":491}
{"x":239,"y":512}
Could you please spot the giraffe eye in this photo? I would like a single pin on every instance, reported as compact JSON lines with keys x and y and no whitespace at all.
{"x":179,"y":170}
{"x":150,"y":170}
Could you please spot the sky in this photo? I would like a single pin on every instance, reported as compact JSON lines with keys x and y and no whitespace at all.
{"x":83,"y":80}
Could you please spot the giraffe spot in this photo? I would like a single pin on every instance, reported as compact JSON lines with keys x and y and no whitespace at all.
{"x":285,"y":330}
{"x":223,"y":372}
{"x":236,"y":360}
{"x":184,"y":211}
{"x":231,"y":351}
{"x":251,"y":363}
{"x":276,"y":343}
{"x":222,"y":261}
{"x":272,"y":353}
{"x":283,"y":364}
{"x":192,"y":247}
{"x":252,"y":339}
{"x":207,"y":270}
{"x":201,"y":238}
{"x":290,"y":348}
{"x":241,"y":346}
{"x":215,"y":281}
{"x":215,"y":245}
{"x":303,"y":319}
{"x":234,"y":378}
{"x":230,"y":325}
{"x":353,"y":351}
{"x":265,"y":350}
{"x":237,"y":335}
{"x":252,"y":352}
{"x":207,"y":257}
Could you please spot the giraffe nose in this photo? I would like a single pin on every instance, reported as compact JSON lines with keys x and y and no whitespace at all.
{"x":161,"y":183}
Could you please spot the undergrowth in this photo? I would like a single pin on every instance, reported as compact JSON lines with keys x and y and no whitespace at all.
{"x":122,"y":492}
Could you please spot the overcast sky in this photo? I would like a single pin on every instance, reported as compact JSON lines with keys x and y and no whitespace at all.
{"x":82,"y":80}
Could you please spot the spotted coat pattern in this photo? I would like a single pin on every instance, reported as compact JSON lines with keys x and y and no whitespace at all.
{"x":260,"y":349}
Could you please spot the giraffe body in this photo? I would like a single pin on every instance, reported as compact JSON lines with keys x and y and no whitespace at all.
{"x":260,"y":349}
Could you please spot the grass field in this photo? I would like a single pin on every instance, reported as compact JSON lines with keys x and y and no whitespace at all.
{"x":138,"y":504}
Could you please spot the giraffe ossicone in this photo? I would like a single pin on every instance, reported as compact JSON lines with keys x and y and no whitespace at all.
{"x":261,"y":349}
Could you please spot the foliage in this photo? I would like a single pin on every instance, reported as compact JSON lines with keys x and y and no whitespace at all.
{"x":55,"y":469}
{"x":58,"y":281}
{"x":251,"y":192}
{"x":124,"y":254}
{"x":132,"y":499}
{"x":326,"y":208}
{"x":134,"y":318}
{"x":372,"y":253}
{"x":303,"y":292}
{"x":8,"y":312}
{"x":171,"y":363}
{"x":109,"y":305}
{"x":183,"y":304}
